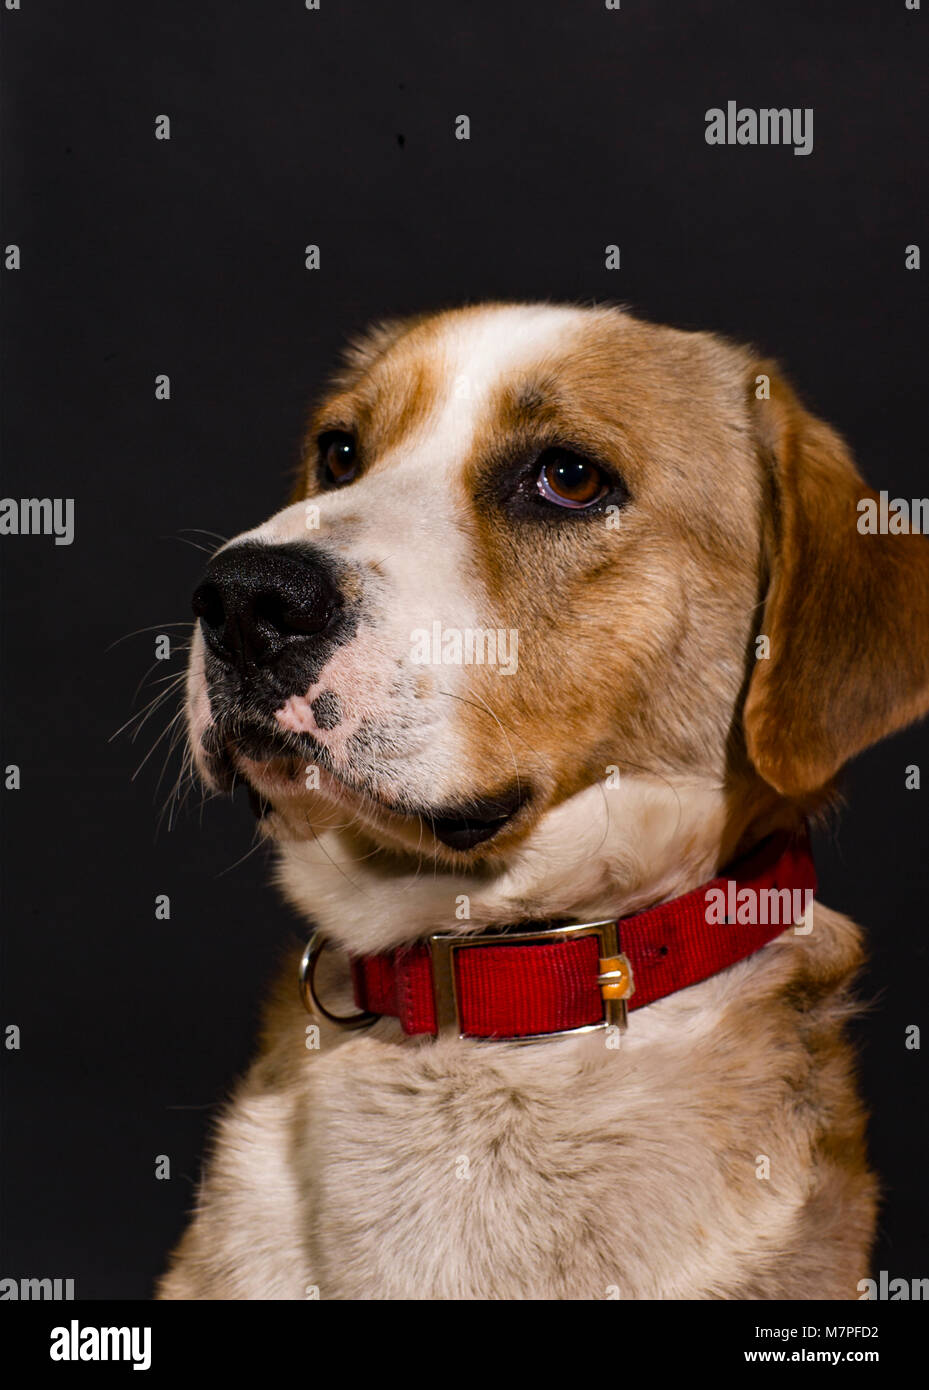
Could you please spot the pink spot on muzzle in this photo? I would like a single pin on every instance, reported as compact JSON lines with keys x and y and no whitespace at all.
{"x":297,"y":716}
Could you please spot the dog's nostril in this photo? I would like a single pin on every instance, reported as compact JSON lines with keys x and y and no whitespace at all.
{"x":270,"y":608}
{"x":291,"y":618}
{"x":207,"y":604}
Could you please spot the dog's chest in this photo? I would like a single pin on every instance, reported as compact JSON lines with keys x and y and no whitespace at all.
{"x":441,"y":1174}
{"x":551,"y":1172}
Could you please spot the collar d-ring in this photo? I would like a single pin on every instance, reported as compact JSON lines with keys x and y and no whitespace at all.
{"x":314,"y":949}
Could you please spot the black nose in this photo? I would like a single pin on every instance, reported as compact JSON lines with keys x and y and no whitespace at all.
{"x":255,"y":600}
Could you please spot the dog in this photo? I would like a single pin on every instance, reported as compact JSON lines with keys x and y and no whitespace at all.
{"x":500,"y":846}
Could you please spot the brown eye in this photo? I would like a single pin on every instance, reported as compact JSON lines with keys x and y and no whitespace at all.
{"x":569,"y":480}
{"x":337,"y":459}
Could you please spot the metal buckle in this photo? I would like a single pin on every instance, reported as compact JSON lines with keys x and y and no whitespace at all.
{"x":442,"y":948}
{"x":315,"y":947}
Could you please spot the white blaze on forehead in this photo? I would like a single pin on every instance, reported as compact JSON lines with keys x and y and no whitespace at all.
{"x":479,"y":353}
{"x":415,"y":507}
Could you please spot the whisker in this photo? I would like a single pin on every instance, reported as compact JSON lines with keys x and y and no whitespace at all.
{"x":158,"y":740}
{"x":159,"y":681}
{"x":499,"y":723}
{"x":148,"y":710}
{"x":202,"y":530}
{"x":155,"y":627}
{"x":185,"y":540}
{"x":247,"y":855}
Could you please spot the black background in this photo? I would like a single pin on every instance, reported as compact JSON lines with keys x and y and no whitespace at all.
{"x":139,"y":256}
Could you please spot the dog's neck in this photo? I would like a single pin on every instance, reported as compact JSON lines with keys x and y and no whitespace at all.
{"x":601,"y":854}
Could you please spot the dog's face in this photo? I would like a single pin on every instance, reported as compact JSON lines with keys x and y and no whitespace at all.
{"x":529,"y":557}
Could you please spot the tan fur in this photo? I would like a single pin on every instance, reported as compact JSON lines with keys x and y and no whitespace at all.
{"x":384,"y":1167}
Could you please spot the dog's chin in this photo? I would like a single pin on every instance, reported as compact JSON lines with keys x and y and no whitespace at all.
{"x":275,"y":774}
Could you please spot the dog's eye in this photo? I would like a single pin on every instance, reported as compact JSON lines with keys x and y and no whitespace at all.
{"x":337,"y":460}
{"x":569,"y":480}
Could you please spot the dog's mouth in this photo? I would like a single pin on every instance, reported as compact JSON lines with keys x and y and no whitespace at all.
{"x":478,"y":820}
{"x":267,"y":760}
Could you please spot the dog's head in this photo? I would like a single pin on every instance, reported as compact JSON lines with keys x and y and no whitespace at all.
{"x":552,"y":579}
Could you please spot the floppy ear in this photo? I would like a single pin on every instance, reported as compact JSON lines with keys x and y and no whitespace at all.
{"x":847,"y":613}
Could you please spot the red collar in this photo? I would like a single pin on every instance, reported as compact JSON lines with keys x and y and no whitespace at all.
{"x":548,"y":980}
